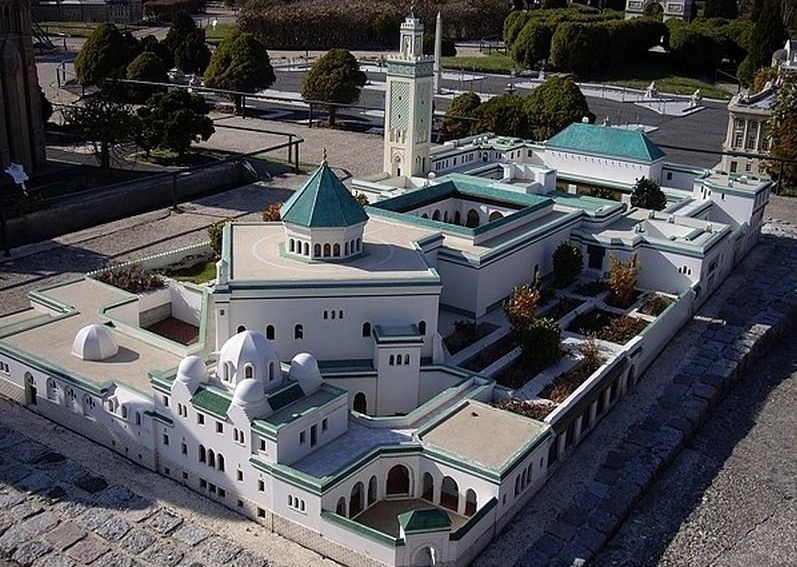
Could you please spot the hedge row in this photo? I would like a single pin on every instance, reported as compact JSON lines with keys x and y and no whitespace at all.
{"x":311,"y":24}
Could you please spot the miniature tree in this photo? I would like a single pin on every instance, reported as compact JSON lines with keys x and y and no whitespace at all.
{"x":542,"y":343}
{"x":272,"y":212}
{"x":519,"y":308}
{"x":502,"y":115}
{"x":783,"y":131}
{"x":567,"y":264}
{"x":104,"y":55}
{"x":533,"y":44}
{"x":104,"y":121}
{"x":767,"y":37}
{"x":463,"y":105}
{"x":146,"y":67}
{"x":647,"y":194}
{"x":177,"y":119}
{"x":192,"y":55}
{"x":362,"y":198}
{"x":336,"y":78}
{"x":554,"y":105}
{"x":622,"y":280}
{"x":215,"y":232}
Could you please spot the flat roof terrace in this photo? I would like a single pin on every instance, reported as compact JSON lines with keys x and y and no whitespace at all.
{"x":383,"y":516}
{"x":258,"y":254}
{"x":477,"y":432}
{"x":48,"y":341}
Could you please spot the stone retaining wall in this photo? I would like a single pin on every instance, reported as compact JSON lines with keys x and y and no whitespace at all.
{"x":756,"y":316}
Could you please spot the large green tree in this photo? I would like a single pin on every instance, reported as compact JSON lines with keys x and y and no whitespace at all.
{"x":463,"y":106}
{"x":533,"y":44}
{"x":768,"y":36}
{"x":334,"y":77}
{"x":104,"y":121}
{"x":105,"y":55}
{"x":579,"y":47}
{"x":727,"y":9}
{"x":146,"y":67}
{"x":240,"y":63}
{"x":554,"y":105}
{"x":503,"y":115}
{"x":174,"y":121}
{"x":192,"y":55}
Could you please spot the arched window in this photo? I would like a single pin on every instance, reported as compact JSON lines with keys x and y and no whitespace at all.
{"x":270,"y":332}
{"x":360,"y":403}
{"x":398,"y":481}
{"x":473,"y":219}
{"x":241,"y":329}
{"x":391,"y":360}
{"x":424,"y":216}
{"x":124,"y":411}
{"x":52,"y":390}
{"x":428,"y":487}
{"x":366,"y":329}
{"x":317,"y":251}
{"x":340,"y":509}
{"x":203,"y":455}
{"x":249,"y":371}
{"x":211,"y":458}
{"x":346,"y":249}
{"x":422,"y":327}
{"x":470,"y":502}
{"x":436,"y":215}
{"x":495,"y":215}
{"x":292,"y":245}
{"x":517,"y":485}
{"x":336,"y":254}
{"x":306,"y":249}
{"x":356,"y":500}
{"x":298,"y":332}
{"x":327,"y":250}
{"x":220,"y":462}
{"x":449,"y":494}
{"x":457,"y":217}
{"x":445,"y":216}
{"x":359,"y":245}
{"x":398,"y":359}
{"x":372,"y":490}
{"x":406,"y":359}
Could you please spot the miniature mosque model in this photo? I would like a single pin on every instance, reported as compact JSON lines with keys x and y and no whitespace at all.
{"x":318,"y":396}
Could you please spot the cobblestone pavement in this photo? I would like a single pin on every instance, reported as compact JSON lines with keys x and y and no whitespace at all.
{"x":88,"y":505}
{"x":729,"y":498}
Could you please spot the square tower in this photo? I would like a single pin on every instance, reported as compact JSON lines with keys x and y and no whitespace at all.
{"x":408,"y":104}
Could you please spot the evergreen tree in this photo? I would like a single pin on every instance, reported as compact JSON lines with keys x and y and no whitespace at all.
{"x":104,"y":121}
{"x":648,"y":195}
{"x":783,"y":131}
{"x":334,"y":77}
{"x":192,"y":55}
{"x":554,"y":105}
{"x":463,"y":105}
{"x":240,"y":63}
{"x":175,"y":120}
{"x":532,"y":44}
{"x":727,"y":9}
{"x":105,"y":55}
{"x":768,"y":36}
{"x":183,"y":25}
{"x":146,"y":67}
{"x":567,"y":264}
{"x":503,"y":115}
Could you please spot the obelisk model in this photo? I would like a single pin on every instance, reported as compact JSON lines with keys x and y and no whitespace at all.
{"x":438,"y":53}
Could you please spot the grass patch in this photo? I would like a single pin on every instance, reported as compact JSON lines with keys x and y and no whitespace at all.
{"x":194,"y":157}
{"x":222,"y":30}
{"x":495,"y":63}
{"x":76,"y":29}
{"x":670,"y":79}
{"x":199,"y":273}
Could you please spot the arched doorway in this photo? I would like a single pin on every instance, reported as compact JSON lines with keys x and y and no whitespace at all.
{"x":372,"y":490}
{"x":653,"y":10}
{"x":428,"y":487}
{"x":473,"y":219}
{"x":470,"y":502}
{"x":340,"y":509}
{"x":495,"y":215}
{"x":31,"y":393}
{"x":457,"y":218}
{"x":398,"y":481}
{"x":436,"y":215}
{"x":449,"y":494}
{"x":356,"y":500}
{"x":360,"y":403}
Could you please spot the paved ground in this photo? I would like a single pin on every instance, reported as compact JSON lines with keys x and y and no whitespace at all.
{"x":729,"y":499}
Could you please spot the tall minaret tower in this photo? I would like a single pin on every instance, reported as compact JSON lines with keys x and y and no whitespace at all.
{"x":408,"y":104}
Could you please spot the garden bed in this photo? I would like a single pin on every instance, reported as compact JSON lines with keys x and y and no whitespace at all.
{"x":131,"y":278}
{"x":496,"y":350}
{"x":593,"y":288}
{"x":611,"y":301}
{"x":607,"y":326}
{"x":655,"y":304}
{"x":517,"y":374}
{"x":533,"y":410}
{"x":466,"y":333}
{"x":563,"y":307}
{"x":199,"y":273}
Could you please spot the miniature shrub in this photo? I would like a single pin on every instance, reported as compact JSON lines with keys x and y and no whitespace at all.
{"x":519,"y":308}
{"x":567,"y":264}
{"x":542,"y":343}
{"x":622,"y":329}
{"x":272,"y":212}
{"x":655,"y":305}
{"x":131,"y":278}
{"x":622,"y":280}
{"x":568,"y":382}
{"x":533,"y":410}
{"x":466,"y":333}
{"x":215,"y":234}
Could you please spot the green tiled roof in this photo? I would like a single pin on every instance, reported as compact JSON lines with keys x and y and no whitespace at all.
{"x":286,"y":396}
{"x":606,"y":141}
{"x":210,"y":400}
{"x":323,"y":202}
{"x":424,"y":520}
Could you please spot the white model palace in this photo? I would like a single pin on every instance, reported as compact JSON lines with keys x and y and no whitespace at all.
{"x":318,"y":397}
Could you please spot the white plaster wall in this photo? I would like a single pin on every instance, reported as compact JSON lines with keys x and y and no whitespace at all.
{"x":186,"y":304}
{"x":288,"y":445}
{"x":601,"y":168}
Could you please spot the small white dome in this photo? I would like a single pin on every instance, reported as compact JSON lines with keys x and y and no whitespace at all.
{"x":304,"y":369}
{"x":94,"y":342}
{"x":247,"y":349}
{"x":248,"y":391}
{"x":192,"y":368}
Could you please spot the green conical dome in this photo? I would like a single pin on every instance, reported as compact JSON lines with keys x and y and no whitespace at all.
{"x":323,"y":202}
